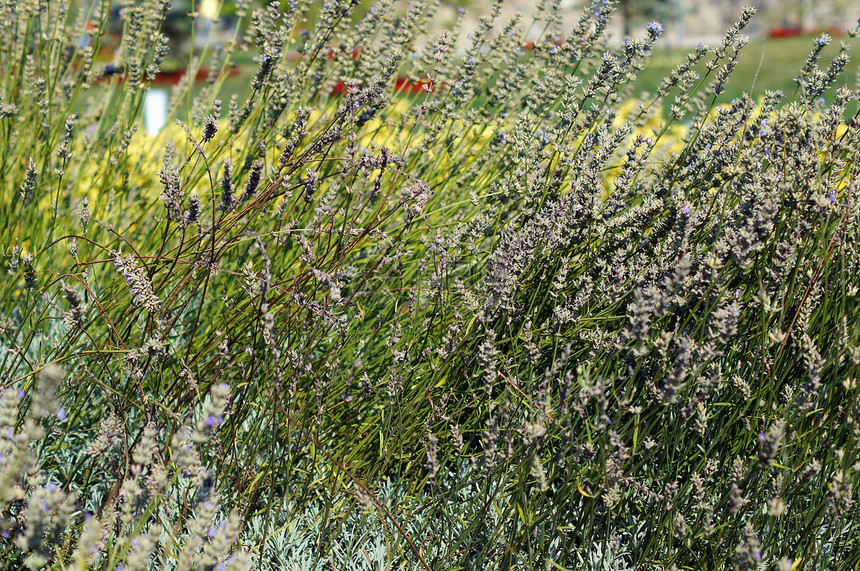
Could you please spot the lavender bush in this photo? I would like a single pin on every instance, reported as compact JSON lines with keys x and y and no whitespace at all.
{"x":403,"y":306}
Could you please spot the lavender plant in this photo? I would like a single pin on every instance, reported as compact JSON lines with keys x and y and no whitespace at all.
{"x":402,"y":306}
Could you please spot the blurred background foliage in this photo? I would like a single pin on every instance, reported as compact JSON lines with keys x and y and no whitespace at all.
{"x":781,"y":34}
{"x":683,"y":19}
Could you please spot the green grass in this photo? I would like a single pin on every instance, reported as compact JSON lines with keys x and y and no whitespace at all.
{"x":764,"y":64}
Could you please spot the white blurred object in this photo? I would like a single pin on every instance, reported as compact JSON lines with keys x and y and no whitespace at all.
{"x":155,"y":110}
{"x":209,"y":9}
{"x":205,"y":22}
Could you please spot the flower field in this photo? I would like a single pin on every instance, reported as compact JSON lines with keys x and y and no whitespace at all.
{"x":524,"y":316}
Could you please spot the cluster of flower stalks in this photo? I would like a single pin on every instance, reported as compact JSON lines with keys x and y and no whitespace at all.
{"x":422,"y":301}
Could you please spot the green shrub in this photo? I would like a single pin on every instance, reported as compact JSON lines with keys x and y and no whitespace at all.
{"x":408,"y":307}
